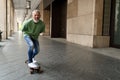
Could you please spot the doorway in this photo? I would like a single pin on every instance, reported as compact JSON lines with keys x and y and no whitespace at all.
{"x":59,"y":18}
{"x":115,"y":24}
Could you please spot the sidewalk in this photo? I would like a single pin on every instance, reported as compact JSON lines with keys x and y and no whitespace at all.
{"x":111,"y":52}
{"x":60,"y":60}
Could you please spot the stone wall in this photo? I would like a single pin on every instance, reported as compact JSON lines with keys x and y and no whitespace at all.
{"x":3,"y":18}
{"x":84,"y":23}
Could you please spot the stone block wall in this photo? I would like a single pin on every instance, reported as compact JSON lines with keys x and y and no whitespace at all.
{"x":84,"y":23}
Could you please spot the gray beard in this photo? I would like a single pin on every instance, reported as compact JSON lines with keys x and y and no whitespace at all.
{"x":36,"y":21}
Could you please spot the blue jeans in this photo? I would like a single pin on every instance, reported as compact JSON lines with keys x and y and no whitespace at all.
{"x":33,"y":47}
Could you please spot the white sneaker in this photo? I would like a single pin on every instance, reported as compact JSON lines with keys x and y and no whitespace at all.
{"x":34,"y":61}
{"x":32,"y":65}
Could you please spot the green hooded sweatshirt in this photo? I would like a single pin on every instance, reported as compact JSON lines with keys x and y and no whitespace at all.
{"x":33,"y":29}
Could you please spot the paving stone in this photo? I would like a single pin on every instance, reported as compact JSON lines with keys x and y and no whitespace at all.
{"x":60,"y":60}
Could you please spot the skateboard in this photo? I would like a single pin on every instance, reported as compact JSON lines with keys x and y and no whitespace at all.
{"x":34,"y":70}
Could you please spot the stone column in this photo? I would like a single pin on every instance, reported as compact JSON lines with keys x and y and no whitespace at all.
{"x":84,"y":23}
{"x":45,"y":16}
{"x":10,"y":18}
{"x":3,"y":18}
{"x":98,"y":39}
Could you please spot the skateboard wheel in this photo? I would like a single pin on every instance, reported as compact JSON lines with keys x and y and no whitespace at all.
{"x":31,"y":72}
{"x":40,"y":71}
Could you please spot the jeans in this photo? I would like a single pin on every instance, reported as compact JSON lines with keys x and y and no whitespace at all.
{"x":33,"y":47}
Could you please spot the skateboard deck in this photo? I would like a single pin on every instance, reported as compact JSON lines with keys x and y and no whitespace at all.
{"x":34,"y":70}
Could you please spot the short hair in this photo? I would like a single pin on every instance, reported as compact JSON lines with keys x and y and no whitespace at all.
{"x":35,"y":11}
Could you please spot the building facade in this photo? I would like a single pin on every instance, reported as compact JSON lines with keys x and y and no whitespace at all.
{"x":6,"y":18}
{"x":92,"y":23}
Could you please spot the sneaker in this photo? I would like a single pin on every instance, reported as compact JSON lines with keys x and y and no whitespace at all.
{"x":32,"y":65}
{"x":34,"y":61}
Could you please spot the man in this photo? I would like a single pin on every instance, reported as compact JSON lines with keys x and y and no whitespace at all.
{"x":32,"y":28}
